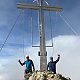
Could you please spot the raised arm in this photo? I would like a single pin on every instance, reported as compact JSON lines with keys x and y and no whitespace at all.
{"x":21,"y":63}
{"x":57,"y":59}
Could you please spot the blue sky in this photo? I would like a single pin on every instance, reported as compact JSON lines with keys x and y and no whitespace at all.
{"x":65,"y":42}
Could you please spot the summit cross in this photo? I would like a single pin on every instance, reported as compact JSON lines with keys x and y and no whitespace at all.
{"x":40,"y":7}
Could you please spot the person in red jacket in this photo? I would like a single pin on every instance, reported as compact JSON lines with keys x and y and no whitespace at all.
{"x":52,"y":64}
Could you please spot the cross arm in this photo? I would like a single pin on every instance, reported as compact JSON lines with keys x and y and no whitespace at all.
{"x":36,"y":7}
{"x":27,"y":6}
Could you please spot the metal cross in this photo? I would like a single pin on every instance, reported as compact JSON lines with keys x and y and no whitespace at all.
{"x":40,"y":7}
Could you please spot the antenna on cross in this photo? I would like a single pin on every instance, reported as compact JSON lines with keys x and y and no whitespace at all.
{"x":38,"y":1}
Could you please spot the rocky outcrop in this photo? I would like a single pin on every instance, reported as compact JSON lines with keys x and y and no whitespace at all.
{"x":45,"y":75}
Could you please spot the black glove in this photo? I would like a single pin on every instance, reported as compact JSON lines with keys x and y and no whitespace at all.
{"x":19,"y":61}
{"x":58,"y":55}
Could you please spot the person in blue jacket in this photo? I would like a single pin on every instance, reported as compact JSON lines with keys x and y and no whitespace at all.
{"x":52,"y":64}
{"x":29,"y":64}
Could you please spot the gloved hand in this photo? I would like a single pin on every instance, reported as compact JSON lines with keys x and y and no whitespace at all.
{"x":58,"y":55}
{"x":19,"y":60}
{"x":33,"y":70}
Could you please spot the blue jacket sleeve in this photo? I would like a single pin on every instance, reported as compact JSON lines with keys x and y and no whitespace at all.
{"x":57,"y":59}
{"x":21,"y":63}
{"x":32,"y":65}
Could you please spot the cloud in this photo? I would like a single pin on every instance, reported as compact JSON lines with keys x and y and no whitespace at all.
{"x":11,"y":69}
{"x":67,"y":46}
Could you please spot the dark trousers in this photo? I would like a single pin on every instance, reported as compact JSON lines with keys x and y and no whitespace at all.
{"x":28,"y":71}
